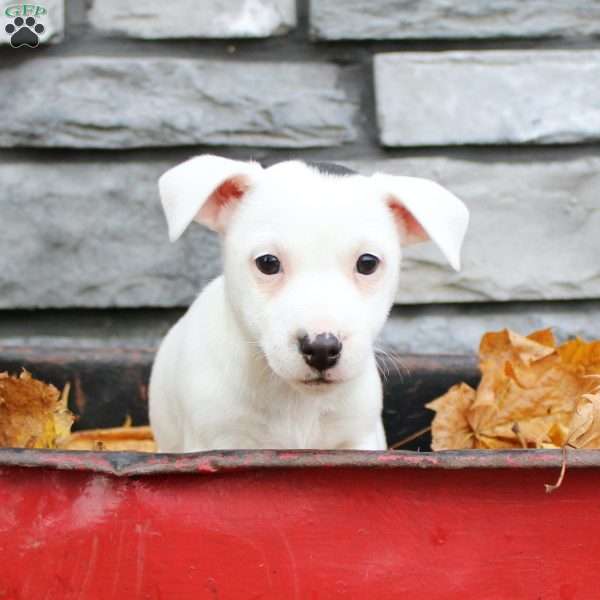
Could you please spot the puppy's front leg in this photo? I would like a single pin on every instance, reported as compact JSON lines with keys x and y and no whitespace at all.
{"x":224,"y":440}
{"x":374,"y":440}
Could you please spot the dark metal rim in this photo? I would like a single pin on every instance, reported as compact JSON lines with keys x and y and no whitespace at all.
{"x":125,"y":464}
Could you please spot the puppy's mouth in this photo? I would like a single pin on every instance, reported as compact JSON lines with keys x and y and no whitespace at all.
{"x":318,"y":381}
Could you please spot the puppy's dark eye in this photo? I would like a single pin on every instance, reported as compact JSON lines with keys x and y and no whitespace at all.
{"x":367,"y":264}
{"x":268,"y":264}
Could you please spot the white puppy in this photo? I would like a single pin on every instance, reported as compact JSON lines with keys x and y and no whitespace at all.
{"x":278,"y":351}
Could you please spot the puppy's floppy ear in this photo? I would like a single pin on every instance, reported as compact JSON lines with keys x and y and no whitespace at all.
{"x":205,"y":189}
{"x":425,"y":211}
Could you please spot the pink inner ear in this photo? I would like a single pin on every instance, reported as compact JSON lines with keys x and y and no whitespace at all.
{"x":217,"y":209}
{"x":232,"y":189}
{"x":411,"y":228}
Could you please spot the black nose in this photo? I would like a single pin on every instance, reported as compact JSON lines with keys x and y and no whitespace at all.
{"x":321,"y":353}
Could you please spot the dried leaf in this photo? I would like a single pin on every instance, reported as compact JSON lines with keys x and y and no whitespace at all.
{"x":33,"y":414}
{"x":528,"y":393}
{"x":452,"y":429}
{"x":584,"y":429}
{"x":127,"y":439}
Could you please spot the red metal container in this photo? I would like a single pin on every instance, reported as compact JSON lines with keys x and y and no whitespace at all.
{"x":292,"y":525}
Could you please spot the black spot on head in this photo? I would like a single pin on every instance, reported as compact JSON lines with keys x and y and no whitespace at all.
{"x":330,"y":168}
{"x":326,"y":168}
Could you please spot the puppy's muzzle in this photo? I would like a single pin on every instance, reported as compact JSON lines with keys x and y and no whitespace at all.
{"x":321,"y":353}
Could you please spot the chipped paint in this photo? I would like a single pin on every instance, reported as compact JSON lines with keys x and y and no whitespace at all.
{"x":127,"y":464}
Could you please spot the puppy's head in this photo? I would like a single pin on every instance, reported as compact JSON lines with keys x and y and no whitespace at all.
{"x":311,"y":256}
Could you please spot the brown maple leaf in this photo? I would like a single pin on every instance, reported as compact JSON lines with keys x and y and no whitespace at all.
{"x":527,"y":397}
{"x":33,"y":414}
{"x":126,"y":439}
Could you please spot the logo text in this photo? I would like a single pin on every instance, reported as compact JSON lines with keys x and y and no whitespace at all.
{"x":25,"y":10}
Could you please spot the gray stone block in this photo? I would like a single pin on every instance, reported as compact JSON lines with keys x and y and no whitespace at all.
{"x":458,"y":329}
{"x":91,"y":234}
{"x":508,"y":97}
{"x":440,"y":19}
{"x":155,"y":19}
{"x":135,"y":102}
{"x":53,"y":19}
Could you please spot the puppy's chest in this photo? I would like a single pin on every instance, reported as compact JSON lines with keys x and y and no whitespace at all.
{"x":300,"y":425}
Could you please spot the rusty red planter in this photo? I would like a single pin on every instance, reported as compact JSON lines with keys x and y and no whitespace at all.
{"x":292,"y":525}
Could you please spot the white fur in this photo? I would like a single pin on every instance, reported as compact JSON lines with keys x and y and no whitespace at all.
{"x":230,"y":374}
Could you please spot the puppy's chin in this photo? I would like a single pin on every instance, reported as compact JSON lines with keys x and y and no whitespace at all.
{"x":315,"y":385}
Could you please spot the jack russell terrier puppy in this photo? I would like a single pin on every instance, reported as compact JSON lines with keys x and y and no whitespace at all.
{"x":278,"y":351}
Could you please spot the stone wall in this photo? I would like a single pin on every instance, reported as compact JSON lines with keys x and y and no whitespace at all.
{"x":498,"y":101}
